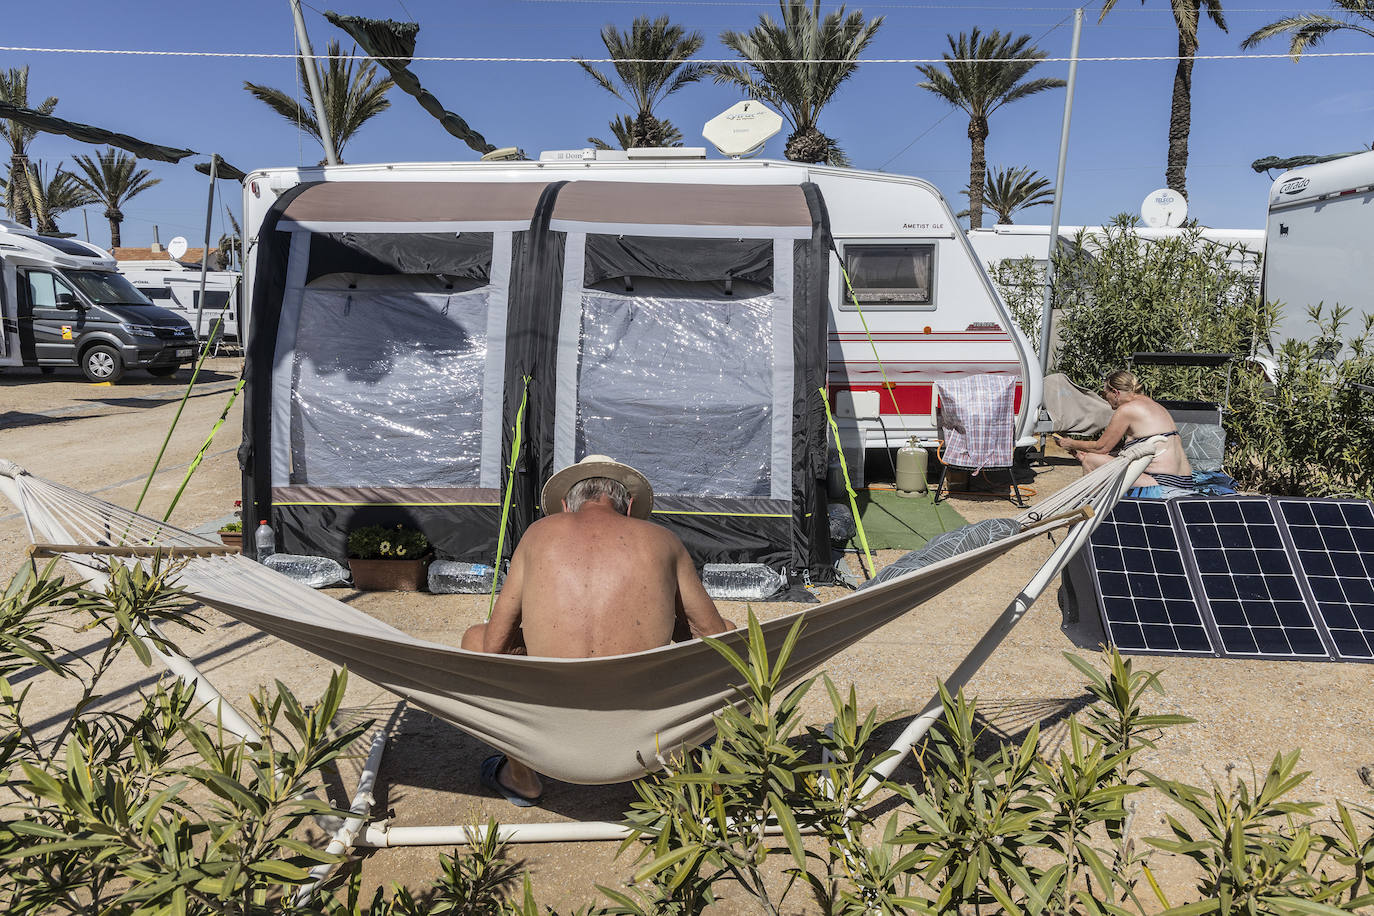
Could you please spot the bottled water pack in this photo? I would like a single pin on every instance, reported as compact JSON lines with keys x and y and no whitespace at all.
{"x":741,"y":581}
{"x":316,"y":572}
{"x":450,"y":577}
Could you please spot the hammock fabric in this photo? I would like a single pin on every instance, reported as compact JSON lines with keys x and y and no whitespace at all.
{"x":585,"y":721}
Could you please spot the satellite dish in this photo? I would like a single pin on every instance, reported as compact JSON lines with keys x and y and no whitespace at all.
{"x":176,"y":248}
{"x":742,"y":129}
{"x":1164,"y":208}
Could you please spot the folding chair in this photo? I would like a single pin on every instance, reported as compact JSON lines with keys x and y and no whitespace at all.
{"x":977,"y":420}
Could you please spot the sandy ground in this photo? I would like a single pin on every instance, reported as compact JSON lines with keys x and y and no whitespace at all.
{"x":103,"y":440}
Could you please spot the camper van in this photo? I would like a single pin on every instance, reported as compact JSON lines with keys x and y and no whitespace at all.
{"x":63,"y":304}
{"x":930,"y":308}
{"x":1318,"y":244}
{"x":176,"y":286}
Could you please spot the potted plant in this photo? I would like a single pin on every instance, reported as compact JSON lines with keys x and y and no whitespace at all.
{"x":231,"y":535}
{"x":388,"y":558}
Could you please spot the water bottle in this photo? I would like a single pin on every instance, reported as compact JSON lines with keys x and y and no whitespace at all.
{"x":264,"y":541}
{"x":741,"y":581}
{"x":316,"y":572}
{"x":450,"y":577}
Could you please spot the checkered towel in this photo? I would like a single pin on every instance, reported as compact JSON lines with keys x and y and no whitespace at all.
{"x":977,"y":420}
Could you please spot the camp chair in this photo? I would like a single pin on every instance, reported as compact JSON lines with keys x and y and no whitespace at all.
{"x":589,"y":721}
{"x":1199,"y":422}
{"x":977,"y":420}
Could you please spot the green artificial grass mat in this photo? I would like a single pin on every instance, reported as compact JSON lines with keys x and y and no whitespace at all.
{"x":892,"y":521}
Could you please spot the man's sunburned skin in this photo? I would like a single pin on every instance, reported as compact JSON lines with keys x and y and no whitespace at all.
{"x":588,"y":584}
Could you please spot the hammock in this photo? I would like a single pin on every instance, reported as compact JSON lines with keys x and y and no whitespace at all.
{"x":587,"y":721}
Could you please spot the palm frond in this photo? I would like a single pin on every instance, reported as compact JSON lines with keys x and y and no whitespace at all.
{"x":1309,"y":30}
{"x":1008,"y":190}
{"x":651,"y":62}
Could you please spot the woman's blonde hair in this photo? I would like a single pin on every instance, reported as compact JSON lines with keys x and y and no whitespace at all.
{"x":1124,"y":380}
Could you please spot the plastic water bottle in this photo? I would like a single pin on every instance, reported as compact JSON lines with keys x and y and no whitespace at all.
{"x":316,"y":572}
{"x":741,"y":581}
{"x":450,"y":577}
{"x":264,"y":541}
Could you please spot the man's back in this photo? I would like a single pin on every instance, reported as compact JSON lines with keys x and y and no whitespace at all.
{"x":595,"y":583}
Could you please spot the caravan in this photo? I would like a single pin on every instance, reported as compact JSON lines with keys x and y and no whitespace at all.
{"x":176,"y":286}
{"x":63,"y":304}
{"x":1318,"y":241}
{"x":684,"y":315}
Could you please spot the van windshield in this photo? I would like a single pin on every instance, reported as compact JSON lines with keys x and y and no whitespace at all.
{"x":105,"y":287}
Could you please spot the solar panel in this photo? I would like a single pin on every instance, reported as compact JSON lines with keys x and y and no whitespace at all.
{"x":1334,"y":542}
{"x":1248,"y":580}
{"x":1146,"y":599}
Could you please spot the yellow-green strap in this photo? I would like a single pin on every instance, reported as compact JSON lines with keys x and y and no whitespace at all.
{"x":510,"y":486}
{"x":844,"y":469}
{"x":204,"y":354}
{"x":204,"y":448}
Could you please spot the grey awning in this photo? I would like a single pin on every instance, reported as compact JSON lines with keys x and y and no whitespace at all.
{"x":761,"y":211}
{"x":396,"y":206}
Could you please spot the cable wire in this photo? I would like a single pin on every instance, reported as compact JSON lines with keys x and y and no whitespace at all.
{"x":267,"y":55}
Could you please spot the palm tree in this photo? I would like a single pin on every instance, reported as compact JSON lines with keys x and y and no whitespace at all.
{"x":51,"y":197}
{"x":831,"y":46}
{"x":643,"y":85}
{"x":113,"y":177}
{"x":1310,"y":29}
{"x":351,"y":98}
{"x":230,"y":248}
{"x":1009,"y":190}
{"x":14,"y":89}
{"x":1187,"y":16}
{"x":982,"y":73}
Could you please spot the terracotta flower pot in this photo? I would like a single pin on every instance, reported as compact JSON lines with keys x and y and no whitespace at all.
{"x":389,"y":575}
{"x":232,"y":539}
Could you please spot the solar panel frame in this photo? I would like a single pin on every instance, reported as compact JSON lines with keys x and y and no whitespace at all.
{"x":1138,"y":596}
{"x":1336,"y":561}
{"x":1247,"y":579}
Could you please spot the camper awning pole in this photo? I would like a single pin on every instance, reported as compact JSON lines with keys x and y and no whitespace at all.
{"x":1045,"y":315}
{"x":205,"y":252}
{"x":312,"y":79}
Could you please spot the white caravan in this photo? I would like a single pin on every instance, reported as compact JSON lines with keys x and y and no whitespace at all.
{"x":1320,"y":243}
{"x":930,"y":307}
{"x":1001,"y":242}
{"x":176,"y":286}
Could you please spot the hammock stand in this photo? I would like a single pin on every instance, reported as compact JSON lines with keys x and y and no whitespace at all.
{"x":59,"y":524}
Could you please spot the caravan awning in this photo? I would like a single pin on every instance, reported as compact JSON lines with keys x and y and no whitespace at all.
{"x":696,"y":210}
{"x":412,"y":206}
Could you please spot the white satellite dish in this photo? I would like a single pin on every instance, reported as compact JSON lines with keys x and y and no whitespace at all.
{"x":742,"y":129}
{"x":1164,"y":208}
{"x":176,"y":248}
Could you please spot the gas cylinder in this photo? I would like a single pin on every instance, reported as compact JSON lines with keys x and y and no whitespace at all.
{"x":911,"y":468}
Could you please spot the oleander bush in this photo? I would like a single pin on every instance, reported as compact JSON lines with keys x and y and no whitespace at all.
{"x":160,"y":811}
{"x":1303,"y":431}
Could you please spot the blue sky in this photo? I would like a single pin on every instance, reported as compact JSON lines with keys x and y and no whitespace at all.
{"x":1242,"y":109}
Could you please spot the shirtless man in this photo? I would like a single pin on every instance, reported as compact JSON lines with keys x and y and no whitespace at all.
{"x":1136,"y":416}
{"x":592,"y":578}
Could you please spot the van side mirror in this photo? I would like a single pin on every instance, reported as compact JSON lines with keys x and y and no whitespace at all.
{"x":68,"y":301}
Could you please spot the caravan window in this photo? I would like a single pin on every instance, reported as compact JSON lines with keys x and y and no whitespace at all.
{"x":891,"y":276}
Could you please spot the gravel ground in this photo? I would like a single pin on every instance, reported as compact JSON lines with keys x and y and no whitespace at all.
{"x":103,"y":439}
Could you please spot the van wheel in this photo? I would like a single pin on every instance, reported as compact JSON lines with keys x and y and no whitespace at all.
{"x":163,"y":371}
{"x":102,"y":364}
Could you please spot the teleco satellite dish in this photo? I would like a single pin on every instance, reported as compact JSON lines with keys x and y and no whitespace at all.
{"x":1164,"y":208}
{"x":742,"y":129}
{"x":176,"y":248}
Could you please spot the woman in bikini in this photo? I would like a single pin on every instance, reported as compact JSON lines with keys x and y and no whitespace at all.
{"x":1135,"y":418}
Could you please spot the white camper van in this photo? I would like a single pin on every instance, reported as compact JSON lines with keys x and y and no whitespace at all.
{"x":930,"y":308}
{"x":176,"y":286}
{"x":1319,"y":242}
{"x":63,"y":304}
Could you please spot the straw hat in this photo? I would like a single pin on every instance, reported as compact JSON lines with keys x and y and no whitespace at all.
{"x":556,"y":490}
